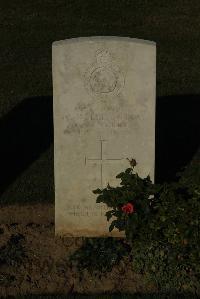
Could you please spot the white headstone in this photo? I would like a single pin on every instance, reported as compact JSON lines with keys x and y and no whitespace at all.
{"x":104,"y":112}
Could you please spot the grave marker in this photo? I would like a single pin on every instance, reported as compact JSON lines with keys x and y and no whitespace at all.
{"x":104,"y":112}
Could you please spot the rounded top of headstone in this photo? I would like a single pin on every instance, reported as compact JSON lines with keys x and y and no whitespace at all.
{"x":106,"y":38}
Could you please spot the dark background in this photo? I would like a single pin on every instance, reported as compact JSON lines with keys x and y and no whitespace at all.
{"x":27,"y":30}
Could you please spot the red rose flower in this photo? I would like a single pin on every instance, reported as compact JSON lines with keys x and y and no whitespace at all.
{"x":128,"y":208}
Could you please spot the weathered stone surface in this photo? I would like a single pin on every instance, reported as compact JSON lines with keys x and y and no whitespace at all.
{"x":104,"y":112}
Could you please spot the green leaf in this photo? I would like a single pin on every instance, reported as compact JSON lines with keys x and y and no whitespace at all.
{"x":118,"y":213}
{"x":99,"y":199}
{"x":153,"y":268}
{"x":111,"y":227}
{"x":163,"y":218}
{"x":120,"y":175}
{"x":109,"y":214}
{"x":120,"y":225}
{"x":97,"y":191}
{"x":162,"y":253}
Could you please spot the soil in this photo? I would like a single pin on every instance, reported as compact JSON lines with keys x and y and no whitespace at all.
{"x":44,"y":268}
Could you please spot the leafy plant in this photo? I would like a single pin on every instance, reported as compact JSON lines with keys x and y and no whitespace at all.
{"x":99,"y":255}
{"x":165,"y":232}
{"x":173,"y":235}
{"x":161,"y":223}
{"x":134,"y":191}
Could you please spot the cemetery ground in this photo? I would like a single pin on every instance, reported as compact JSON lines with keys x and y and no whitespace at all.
{"x":34,"y":261}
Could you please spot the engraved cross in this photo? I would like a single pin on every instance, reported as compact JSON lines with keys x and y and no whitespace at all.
{"x":101,"y":159}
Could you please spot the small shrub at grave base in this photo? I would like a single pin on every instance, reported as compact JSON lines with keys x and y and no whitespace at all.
{"x":99,"y":255}
{"x":161,"y":223}
{"x":131,"y":203}
{"x":13,"y":252}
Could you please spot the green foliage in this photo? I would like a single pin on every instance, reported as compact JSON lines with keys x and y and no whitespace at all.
{"x":162,"y":230}
{"x":172,"y":236}
{"x":99,"y":254}
{"x":134,"y":190}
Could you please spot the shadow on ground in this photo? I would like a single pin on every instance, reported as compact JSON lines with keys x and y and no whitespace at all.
{"x":27,"y":131}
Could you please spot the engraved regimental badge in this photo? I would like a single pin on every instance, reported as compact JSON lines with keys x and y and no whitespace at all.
{"x":103,"y":77}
